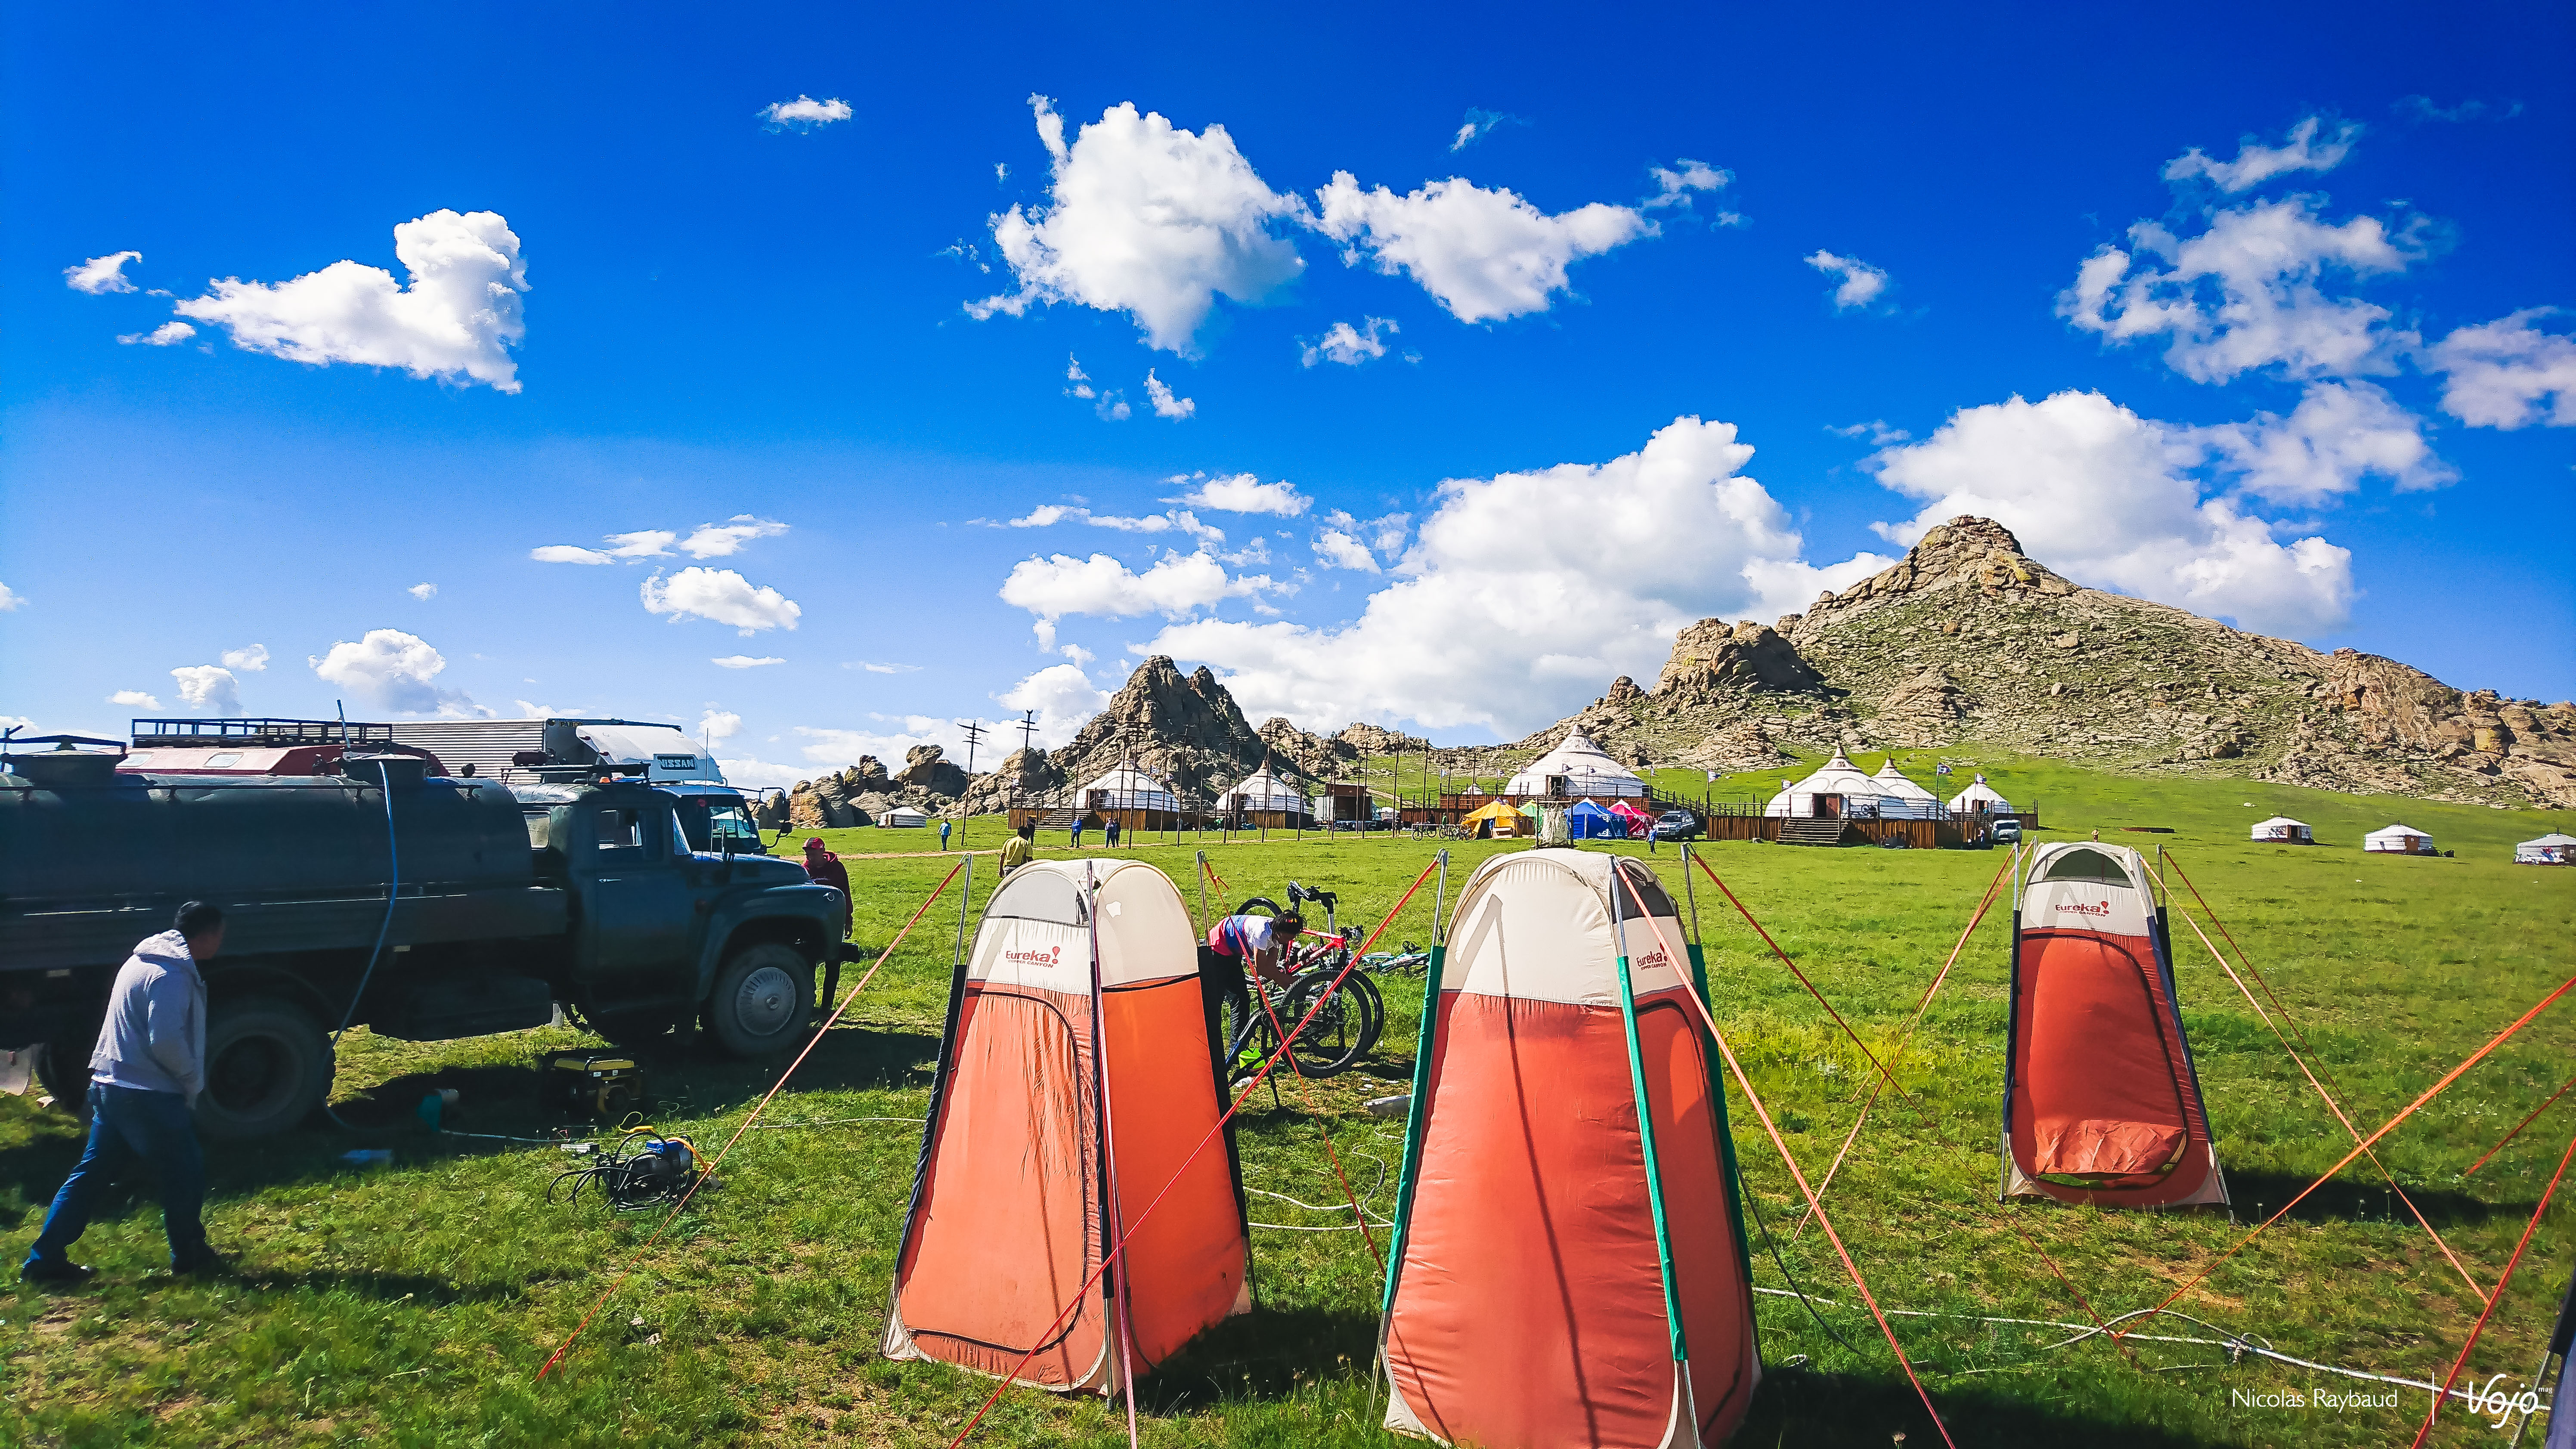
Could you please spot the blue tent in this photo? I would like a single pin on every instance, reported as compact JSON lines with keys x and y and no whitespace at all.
{"x":1587,"y":821}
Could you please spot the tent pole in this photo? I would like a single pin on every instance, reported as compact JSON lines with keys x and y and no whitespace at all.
{"x":1646,"y":1125}
{"x":1418,"y":1110}
{"x":1113,"y":1221}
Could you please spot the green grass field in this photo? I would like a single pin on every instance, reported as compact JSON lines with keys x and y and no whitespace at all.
{"x":414,"y":1304}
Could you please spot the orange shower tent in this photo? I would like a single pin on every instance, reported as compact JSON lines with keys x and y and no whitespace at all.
{"x":1025,"y":1183}
{"x":2101,"y":1104}
{"x":1569,"y":1264}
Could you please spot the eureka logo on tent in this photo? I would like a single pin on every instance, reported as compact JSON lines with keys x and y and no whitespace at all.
{"x":1655,"y":960}
{"x":2082,"y":909}
{"x":1046,"y":957}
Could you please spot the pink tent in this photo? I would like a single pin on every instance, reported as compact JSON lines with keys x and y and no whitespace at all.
{"x":1639,"y":820}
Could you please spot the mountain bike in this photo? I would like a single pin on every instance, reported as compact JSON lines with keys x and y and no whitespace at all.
{"x":1341,"y":1022}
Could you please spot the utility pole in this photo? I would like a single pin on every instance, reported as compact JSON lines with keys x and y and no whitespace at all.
{"x":974,"y":737}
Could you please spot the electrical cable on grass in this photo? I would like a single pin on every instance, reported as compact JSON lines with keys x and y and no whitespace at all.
{"x":1794,"y":1291}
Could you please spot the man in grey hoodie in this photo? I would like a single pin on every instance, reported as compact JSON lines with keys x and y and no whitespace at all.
{"x":145,"y":1076}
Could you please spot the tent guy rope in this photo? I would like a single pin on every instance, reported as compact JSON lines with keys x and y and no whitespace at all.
{"x":964,"y":862}
{"x":2496,"y":1297}
{"x":2518,"y":1126}
{"x":1711,"y":872}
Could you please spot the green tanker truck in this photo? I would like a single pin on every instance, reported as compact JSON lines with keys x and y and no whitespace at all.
{"x":424,"y":908}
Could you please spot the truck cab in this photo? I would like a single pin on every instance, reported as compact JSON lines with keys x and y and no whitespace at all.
{"x":716,"y":818}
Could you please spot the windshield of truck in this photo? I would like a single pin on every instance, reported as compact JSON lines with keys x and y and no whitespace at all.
{"x":731,"y":824}
{"x":621,"y":832}
{"x":540,"y":828}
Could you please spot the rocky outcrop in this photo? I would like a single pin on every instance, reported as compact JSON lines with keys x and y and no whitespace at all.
{"x":1969,"y":640}
{"x":1187,"y":731}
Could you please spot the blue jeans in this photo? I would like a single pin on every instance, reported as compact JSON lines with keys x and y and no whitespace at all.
{"x":127,"y":1123}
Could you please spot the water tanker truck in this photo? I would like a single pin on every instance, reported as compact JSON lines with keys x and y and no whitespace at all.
{"x":423,"y":907}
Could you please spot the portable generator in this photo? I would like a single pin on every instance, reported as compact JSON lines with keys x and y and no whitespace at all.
{"x":592,"y":1086}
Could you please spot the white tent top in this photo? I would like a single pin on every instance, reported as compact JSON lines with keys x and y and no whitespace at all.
{"x":2552,"y":838}
{"x":1552,"y":909}
{"x":2551,"y":849}
{"x":1980,"y":793}
{"x":904,"y":817}
{"x":2397,"y":832}
{"x":1262,"y":790}
{"x":2399,"y":838}
{"x":1900,"y":795}
{"x":1586,"y":769}
{"x":2279,"y":822}
{"x":1130,"y":788}
{"x":1838,"y":776}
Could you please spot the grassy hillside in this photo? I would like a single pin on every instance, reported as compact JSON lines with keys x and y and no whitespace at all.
{"x":414,"y":1304}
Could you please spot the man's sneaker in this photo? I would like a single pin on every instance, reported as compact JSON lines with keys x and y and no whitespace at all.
{"x":208,"y":1264}
{"x":54,"y":1270}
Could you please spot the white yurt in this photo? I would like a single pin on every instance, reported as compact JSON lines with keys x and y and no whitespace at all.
{"x":1261,"y":790}
{"x":1583,"y":768}
{"x":1128,"y":788}
{"x":1980,"y":796}
{"x":2397,"y":840}
{"x":904,"y":817}
{"x":1900,"y":798}
{"x":1859,"y":794}
{"x":2285,"y":830}
{"x":2550,"y":849}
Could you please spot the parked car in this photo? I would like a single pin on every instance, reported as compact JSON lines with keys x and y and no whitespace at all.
{"x":1677,"y":825}
{"x":2007,"y":831}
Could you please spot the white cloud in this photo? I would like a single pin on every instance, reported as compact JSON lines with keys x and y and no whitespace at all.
{"x":873,"y":667}
{"x":1177,"y":584}
{"x":2338,"y":433}
{"x":720,"y":595}
{"x":1524,"y":592}
{"x":1146,"y":219}
{"x":761,"y":774}
{"x":2421,"y":108}
{"x":718,"y":726}
{"x":11,"y":600}
{"x":164,"y":335}
{"x":17,"y":722}
{"x":394,"y":669}
{"x":1483,"y":254}
{"x":746,"y":661}
{"x":1077,"y":654}
{"x":135,"y":699}
{"x":204,"y":686}
{"x":1064,"y":698}
{"x":1048,"y":515}
{"x":1350,"y":346}
{"x":1476,"y":125}
{"x":719,"y":540}
{"x":423,"y":592}
{"x":1244,"y":493}
{"x":803,"y":113}
{"x":530,"y":709}
{"x":458,"y":316}
{"x":1338,"y":550}
{"x":100,"y":275}
{"x":642,"y":543}
{"x":2506,"y":373}
{"x":1166,"y":405}
{"x":2257,"y":163}
{"x":1077,"y":381}
{"x":1861,"y":283}
{"x":1876,"y":430}
{"x":249,"y":660}
{"x":2245,"y":293}
{"x":1675,"y":183}
{"x":2105,"y":497}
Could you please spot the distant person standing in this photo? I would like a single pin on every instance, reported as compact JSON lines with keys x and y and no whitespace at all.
{"x":826,"y":869}
{"x":145,"y":1077}
{"x":1077,"y":832}
{"x":943,"y":835}
{"x":1112,"y":832}
{"x":1020,"y":849}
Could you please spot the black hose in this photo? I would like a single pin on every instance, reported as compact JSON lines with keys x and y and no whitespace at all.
{"x":393,"y":893}
{"x":1755,"y":1203}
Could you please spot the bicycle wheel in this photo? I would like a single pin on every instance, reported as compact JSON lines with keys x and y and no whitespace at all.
{"x":1246,"y":1037}
{"x":1337,"y":1029}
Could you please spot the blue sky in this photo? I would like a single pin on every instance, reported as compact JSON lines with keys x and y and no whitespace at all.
{"x":1538,"y":340}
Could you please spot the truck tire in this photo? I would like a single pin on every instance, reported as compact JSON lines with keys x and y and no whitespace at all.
{"x":763,"y":1001}
{"x":268,"y":1066}
{"x":64,"y":1069}
{"x":633,"y":1031}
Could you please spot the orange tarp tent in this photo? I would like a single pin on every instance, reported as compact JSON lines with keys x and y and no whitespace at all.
{"x":2101,"y":1103}
{"x":1569,"y":1269}
{"x":1020,"y":1195}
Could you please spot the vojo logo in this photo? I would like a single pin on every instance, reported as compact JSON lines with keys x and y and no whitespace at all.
{"x":1046,"y":957}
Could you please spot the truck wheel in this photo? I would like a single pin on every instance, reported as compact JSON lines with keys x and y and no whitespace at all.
{"x":763,"y":999}
{"x":633,"y":1031}
{"x":64,"y":1069}
{"x":268,"y":1066}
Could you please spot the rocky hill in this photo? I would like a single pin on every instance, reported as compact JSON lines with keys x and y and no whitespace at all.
{"x":1968,"y":640}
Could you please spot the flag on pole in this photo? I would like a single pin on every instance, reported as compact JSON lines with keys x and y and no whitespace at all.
{"x":1940,"y":769}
